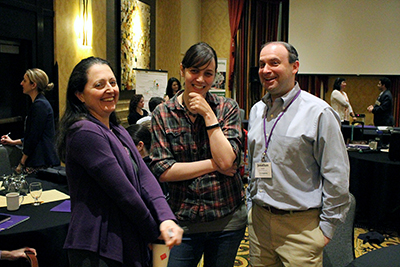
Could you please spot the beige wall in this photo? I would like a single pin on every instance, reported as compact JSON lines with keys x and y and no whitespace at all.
{"x":213,"y":27}
{"x":171,"y":43}
{"x":67,"y":51}
{"x":168,"y":36}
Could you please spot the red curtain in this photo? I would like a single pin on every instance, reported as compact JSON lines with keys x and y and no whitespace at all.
{"x":313,"y":83}
{"x":235,"y":14}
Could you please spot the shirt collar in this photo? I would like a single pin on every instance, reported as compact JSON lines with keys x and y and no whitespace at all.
{"x":287,"y":98}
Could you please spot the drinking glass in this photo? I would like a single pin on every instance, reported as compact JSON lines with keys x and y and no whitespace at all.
{"x":35,"y":189}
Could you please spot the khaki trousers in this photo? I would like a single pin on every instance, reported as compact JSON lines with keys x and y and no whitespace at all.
{"x":285,"y":240}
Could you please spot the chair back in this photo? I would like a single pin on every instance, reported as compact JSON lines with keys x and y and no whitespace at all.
{"x":340,"y":250}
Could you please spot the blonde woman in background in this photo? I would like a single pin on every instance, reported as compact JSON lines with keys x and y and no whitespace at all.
{"x":38,"y":141}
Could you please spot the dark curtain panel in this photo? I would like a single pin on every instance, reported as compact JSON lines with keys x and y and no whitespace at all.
{"x":261,"y":22}
{"x":396,"y":99}
{"x":235,"y":14}
{"x":313,"y":84}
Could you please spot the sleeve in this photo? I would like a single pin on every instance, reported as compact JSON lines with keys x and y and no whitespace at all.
{"x":331,"y":154}
{"x":251,"y":151}
{"x":386,"y":104}
{"x":231,"y":126}
{"x":336,"y":95}
{"x":151,"y":192}
{"x":161,"y":149}
{"x":37,"y":123}
{"x":350,"y":107}
{"x":97,"y":158}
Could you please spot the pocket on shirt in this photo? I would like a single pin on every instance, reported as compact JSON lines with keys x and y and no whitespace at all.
{"x":178,"y":140}
{"x":282,"y":146}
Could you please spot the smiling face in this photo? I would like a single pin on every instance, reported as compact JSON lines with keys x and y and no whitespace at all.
{"x":200,"y":79}
{"x":276,"y":74}
{"x":140,"y":105}
{"x":175,"y":87}
{"x":101,"y":92}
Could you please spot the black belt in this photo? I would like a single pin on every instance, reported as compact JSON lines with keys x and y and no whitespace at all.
{"x":283,"y":212}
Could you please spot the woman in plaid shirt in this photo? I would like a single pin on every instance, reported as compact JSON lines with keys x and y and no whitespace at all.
{"x":196,"y":143}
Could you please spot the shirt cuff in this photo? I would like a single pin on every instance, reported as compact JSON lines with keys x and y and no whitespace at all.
{"x":327,"y":229}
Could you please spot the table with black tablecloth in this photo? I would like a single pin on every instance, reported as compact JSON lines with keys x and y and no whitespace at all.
{"x":375,"y":183}
{"x":45,"y":230}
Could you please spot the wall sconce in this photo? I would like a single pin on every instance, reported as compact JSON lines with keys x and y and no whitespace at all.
{"x":85,"y":26}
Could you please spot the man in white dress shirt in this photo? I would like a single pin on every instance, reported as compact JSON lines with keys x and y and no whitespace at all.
{"x":299,"y":169}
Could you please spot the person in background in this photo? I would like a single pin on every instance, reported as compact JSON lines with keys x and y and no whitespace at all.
{"x":141,"y":136}
{"x":196,"y":142}
{"x":117,"y":206}
{"x":38,"y":143}
{"x":136,"y":110}
{"x":299,"y":168}
{"x":12,"y":255}
{"x":382,"y":109}
{"x":340,"y":102}
{"x":153,"y":103}
{"x":173,"y":86}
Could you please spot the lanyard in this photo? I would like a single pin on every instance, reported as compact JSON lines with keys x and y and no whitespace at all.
{"x":273,"y":127}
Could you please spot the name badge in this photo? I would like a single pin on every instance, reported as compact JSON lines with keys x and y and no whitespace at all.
{"x":263,"y":170}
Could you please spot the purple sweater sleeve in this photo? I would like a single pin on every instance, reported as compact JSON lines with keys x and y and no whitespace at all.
{"x":97,"y":152}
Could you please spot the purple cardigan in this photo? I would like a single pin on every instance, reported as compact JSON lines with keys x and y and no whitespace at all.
{"x":116,"y":211}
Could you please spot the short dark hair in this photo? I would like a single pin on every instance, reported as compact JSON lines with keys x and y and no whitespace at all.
{"x":154,"y":102}
{"x":199,"y":55}
{"x":293,"y":55}
{"x":337,"y":83}
{"x":139,"y":132}
{"x":386,"y":82}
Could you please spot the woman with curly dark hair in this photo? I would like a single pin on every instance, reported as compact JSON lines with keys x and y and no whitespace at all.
{"x":136,"y":110}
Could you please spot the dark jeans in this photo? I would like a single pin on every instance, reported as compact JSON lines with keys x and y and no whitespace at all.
{"x":85,"y":258}
{"x":219,"y":248}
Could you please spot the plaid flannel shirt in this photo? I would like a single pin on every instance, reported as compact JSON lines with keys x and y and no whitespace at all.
{"x":176,"y":139}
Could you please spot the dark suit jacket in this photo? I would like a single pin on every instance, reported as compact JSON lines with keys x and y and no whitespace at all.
{"x":38,"y":142}
{"x":383,"y":109}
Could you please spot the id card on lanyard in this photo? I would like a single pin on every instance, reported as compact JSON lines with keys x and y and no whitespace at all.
{"x":263,"y":169}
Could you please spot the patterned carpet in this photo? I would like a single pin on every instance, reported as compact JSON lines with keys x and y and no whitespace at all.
{"x":360,"y":248}
{"x":242,"y":258}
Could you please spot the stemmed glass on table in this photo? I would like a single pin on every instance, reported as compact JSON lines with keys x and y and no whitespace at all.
{"x":35,"y":189}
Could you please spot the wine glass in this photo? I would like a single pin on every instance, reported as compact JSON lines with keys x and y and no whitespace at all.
{"x":36,"y":191}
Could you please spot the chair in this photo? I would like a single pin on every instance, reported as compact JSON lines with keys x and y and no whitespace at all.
{"x":340,"y":250}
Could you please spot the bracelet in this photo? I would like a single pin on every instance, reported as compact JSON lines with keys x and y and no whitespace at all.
{"x":22,"y":165}
{"x":212,"y":126}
